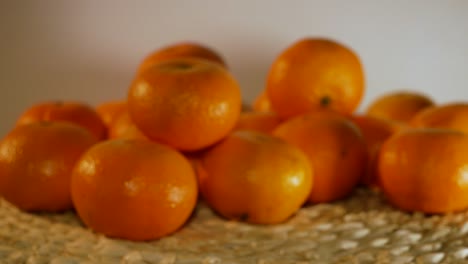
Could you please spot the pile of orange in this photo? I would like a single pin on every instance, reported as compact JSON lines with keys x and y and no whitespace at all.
{"x":135,"y":168}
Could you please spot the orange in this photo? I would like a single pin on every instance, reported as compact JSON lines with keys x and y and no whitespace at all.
{"x":258,"y":121}
{"x":451,"y":115}
{"x":195,"y":160}
{"x":375,"y":132}
{"x":186,"y":103}
{"x":425,"y":170}
{"x":36,"y":161}
{"x":181,"y":50}
{"x":399,"y":106}
{"x":336,"y":150}
{"x":257,"y":178}
{"x":133,"y":189}
{"x":108,"y":111}
{"x":123,"y":127}
{"x":262,"y":103}
{"x":314,"y":74}
{"x":75,"y":112}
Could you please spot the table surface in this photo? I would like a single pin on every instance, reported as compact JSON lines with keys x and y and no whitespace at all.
{"x":360,"y":229}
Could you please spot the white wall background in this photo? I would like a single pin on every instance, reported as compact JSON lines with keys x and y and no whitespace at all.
{"x":88,"y":50}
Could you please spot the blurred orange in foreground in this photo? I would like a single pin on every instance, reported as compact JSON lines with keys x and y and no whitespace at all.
{"x":315,"y":74}
{"x":74,"y":112}
{"x":257,"y":178}
{"x":451,"y":116}
{"x":36,"y":161}
{"x":133,"y":189}
{"x":399,"y":106}
{"x":181,"y":50}
{"x":336,"y":150}
{"x":188,"y":104}
{"x":425,"y":170}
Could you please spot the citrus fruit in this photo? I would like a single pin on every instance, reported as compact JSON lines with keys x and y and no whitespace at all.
{"x":133,"y":189}
{"x":450,"y":116}
{"x":425,"y":170}
{"x":335,"y":148}
{"x":181,"y":50}
{"x":258,"y":121}
{"x":36,"y":161}
{"x":75,"y":112}
{"x":399,"y":106}
{"x":253,"y":177}
{"x":186,"y":103}
{"x":315,"y":74}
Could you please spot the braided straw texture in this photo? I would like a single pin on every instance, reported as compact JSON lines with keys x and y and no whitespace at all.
{"x":360,"y":229}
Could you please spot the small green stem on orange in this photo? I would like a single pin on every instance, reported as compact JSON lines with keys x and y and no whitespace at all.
{"x":325,"y":101}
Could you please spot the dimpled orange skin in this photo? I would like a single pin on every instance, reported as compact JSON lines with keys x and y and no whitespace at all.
{"x":313,"y":74}
{"x":133,"y":189}
{"x":399,"y":106}
{"x":258,"y":121}
{"x":451,"y":116}
{"x":181,"y":50}
{"x":375,"y":131}
{"x":425,"y":170}
{"x":186,"y":103}
{"x":254,"y":177}
{"x":123,"y":127}
{"x":335,"y":148}
{"x":108,"y":111}
{"x":36,"y":161}
{"x":74,"y":112}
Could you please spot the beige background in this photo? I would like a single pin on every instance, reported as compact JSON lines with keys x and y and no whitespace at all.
{"x":88,"y":50}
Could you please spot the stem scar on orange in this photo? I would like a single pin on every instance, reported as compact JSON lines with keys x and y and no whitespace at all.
{"x":187,"y":103}
{"x":133,"y":189}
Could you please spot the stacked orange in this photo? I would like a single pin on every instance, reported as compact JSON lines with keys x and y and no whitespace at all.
{"x":134,"y":168}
